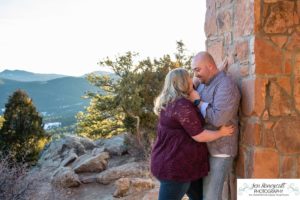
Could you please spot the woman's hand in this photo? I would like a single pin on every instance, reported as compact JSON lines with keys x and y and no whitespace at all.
{"x":194,"y":95}
{"x":196,"y":82}
{"x":226,"y":130}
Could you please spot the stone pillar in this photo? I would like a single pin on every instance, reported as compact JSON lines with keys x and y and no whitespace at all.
{"x":261,"y":39}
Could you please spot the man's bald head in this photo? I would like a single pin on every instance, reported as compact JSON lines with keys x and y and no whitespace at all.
{"x":205,"y":58}
{"x":204,"y":66}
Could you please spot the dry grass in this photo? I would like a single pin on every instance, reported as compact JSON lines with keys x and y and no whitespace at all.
{"x":12,"y":174}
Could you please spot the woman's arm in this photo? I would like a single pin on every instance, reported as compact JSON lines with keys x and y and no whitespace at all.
{"x":208,"y":136}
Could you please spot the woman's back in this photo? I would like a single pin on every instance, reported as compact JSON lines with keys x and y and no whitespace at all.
{"x":175,"y":155}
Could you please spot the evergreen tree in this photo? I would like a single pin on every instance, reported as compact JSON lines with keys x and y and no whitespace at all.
{"x":127,"y":101}
{"x":1,"y":121}
{"x":22,"y":128}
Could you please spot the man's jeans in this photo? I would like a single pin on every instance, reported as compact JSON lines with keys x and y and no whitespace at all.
{"x":171,"y":190}
{"x":213,"y":183}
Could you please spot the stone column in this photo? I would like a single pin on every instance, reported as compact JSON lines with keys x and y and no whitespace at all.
{"x":261,"y":39}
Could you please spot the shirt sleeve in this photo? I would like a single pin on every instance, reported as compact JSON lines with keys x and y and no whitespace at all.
{"x":188,"y":117}
{"x":203,"y":109}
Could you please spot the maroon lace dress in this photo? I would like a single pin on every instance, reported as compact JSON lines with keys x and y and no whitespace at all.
{"x":175,"y":155}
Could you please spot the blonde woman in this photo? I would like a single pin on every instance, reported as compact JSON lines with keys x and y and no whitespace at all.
{"x":179,"y":157}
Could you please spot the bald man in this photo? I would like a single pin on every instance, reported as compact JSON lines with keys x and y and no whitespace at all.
{"x":218,"y":99}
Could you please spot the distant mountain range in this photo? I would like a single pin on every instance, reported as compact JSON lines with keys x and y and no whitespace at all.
{"x":58,"y":97}
{"x":24,"y":76}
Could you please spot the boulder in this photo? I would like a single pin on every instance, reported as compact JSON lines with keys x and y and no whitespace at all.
{"x":67,"y":147}
{"x":127,"y":186}
{"x":135,"y":169}
{"x":65,"y":177}
{"x":71,"y":158}
{"x":114,"y":145}
{"x":89,"y":163}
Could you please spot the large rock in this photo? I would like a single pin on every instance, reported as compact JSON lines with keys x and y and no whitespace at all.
{"x":114,"y":145}
{"x":71,"y":158}
{"x":88,"y":163}
{"x":59,"y":150}
{"x":126,"y":186}
{"x":135,"y":169}
{"x":65,"y":177}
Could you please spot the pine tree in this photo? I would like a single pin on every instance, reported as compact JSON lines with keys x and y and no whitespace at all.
{"x":22,"y":128}
{"x":1,"y":121}
{"x":126,"y":102}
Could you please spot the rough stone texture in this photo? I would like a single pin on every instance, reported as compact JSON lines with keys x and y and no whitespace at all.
{"x":270,"y":1}
{"x":65,"y":177}
{"x":294,"y":42}
{"x":288,"y":63}
{"x":222,"y":3}
{"x":152,"y":194}
{"x":268,"y":139}
{"x":268,"y":60}
{"x":210,"y":18}
{"x":280,"y":17}
{"x":72,"y":157}
{"x":127,"y":186}
{"x":50,"y":182}
{"x":288,"y":167}
{"x":114,"y":145}
{"x":251,"y":134}
{"x":224,"y":21}
{"x":297,"y":92}
{"x":122,"y":187}
{"x":279,"y":40}
{"x":280,"y":104}
{"x":298,"y":167}
{"x":127,"y":170}
{"x":263,"y":169}
{"x":243,"y":18}
{"x":242,"y":51}
{"x":241,"y":162}
{"x":55,"y":152}
{"x":287,"y":136}
{"x":265,"y":115}
{"x":253,"y":96}
{"x":257,"y":16}
{"x":285,"y":84}
{"x":234,"y":71}
{"x":297,"y":64}
{"x":244,"y":70}
{"x":215,"y":48}
{"x":263,"y":51}
{"x":228,"y":38}
{"x":87,"y":163}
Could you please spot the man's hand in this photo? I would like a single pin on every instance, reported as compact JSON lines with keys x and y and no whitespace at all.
{"x":224,"y":65}
{"x":194,"y":95}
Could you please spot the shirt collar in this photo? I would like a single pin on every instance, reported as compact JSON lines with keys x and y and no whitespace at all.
{"x":219,"y":74}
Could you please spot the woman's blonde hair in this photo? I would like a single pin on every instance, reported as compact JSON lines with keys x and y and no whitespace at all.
{"x":176,"y":85}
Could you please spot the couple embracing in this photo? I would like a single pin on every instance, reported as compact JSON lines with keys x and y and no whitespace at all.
{"x":197,"y":133}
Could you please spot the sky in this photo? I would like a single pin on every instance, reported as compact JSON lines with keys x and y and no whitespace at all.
{"x":71,"y":36}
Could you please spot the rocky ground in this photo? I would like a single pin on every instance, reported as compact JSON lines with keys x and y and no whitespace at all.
{"x":78,"y":168}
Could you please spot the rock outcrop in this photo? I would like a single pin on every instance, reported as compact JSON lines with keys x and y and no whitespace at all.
{"x":79,"y":168}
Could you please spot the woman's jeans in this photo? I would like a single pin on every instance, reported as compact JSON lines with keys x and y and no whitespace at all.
{"x":213,"y":183}
{"x":172,"y":190}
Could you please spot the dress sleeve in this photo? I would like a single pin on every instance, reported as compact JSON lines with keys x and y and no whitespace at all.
{"x":188,"y":117}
